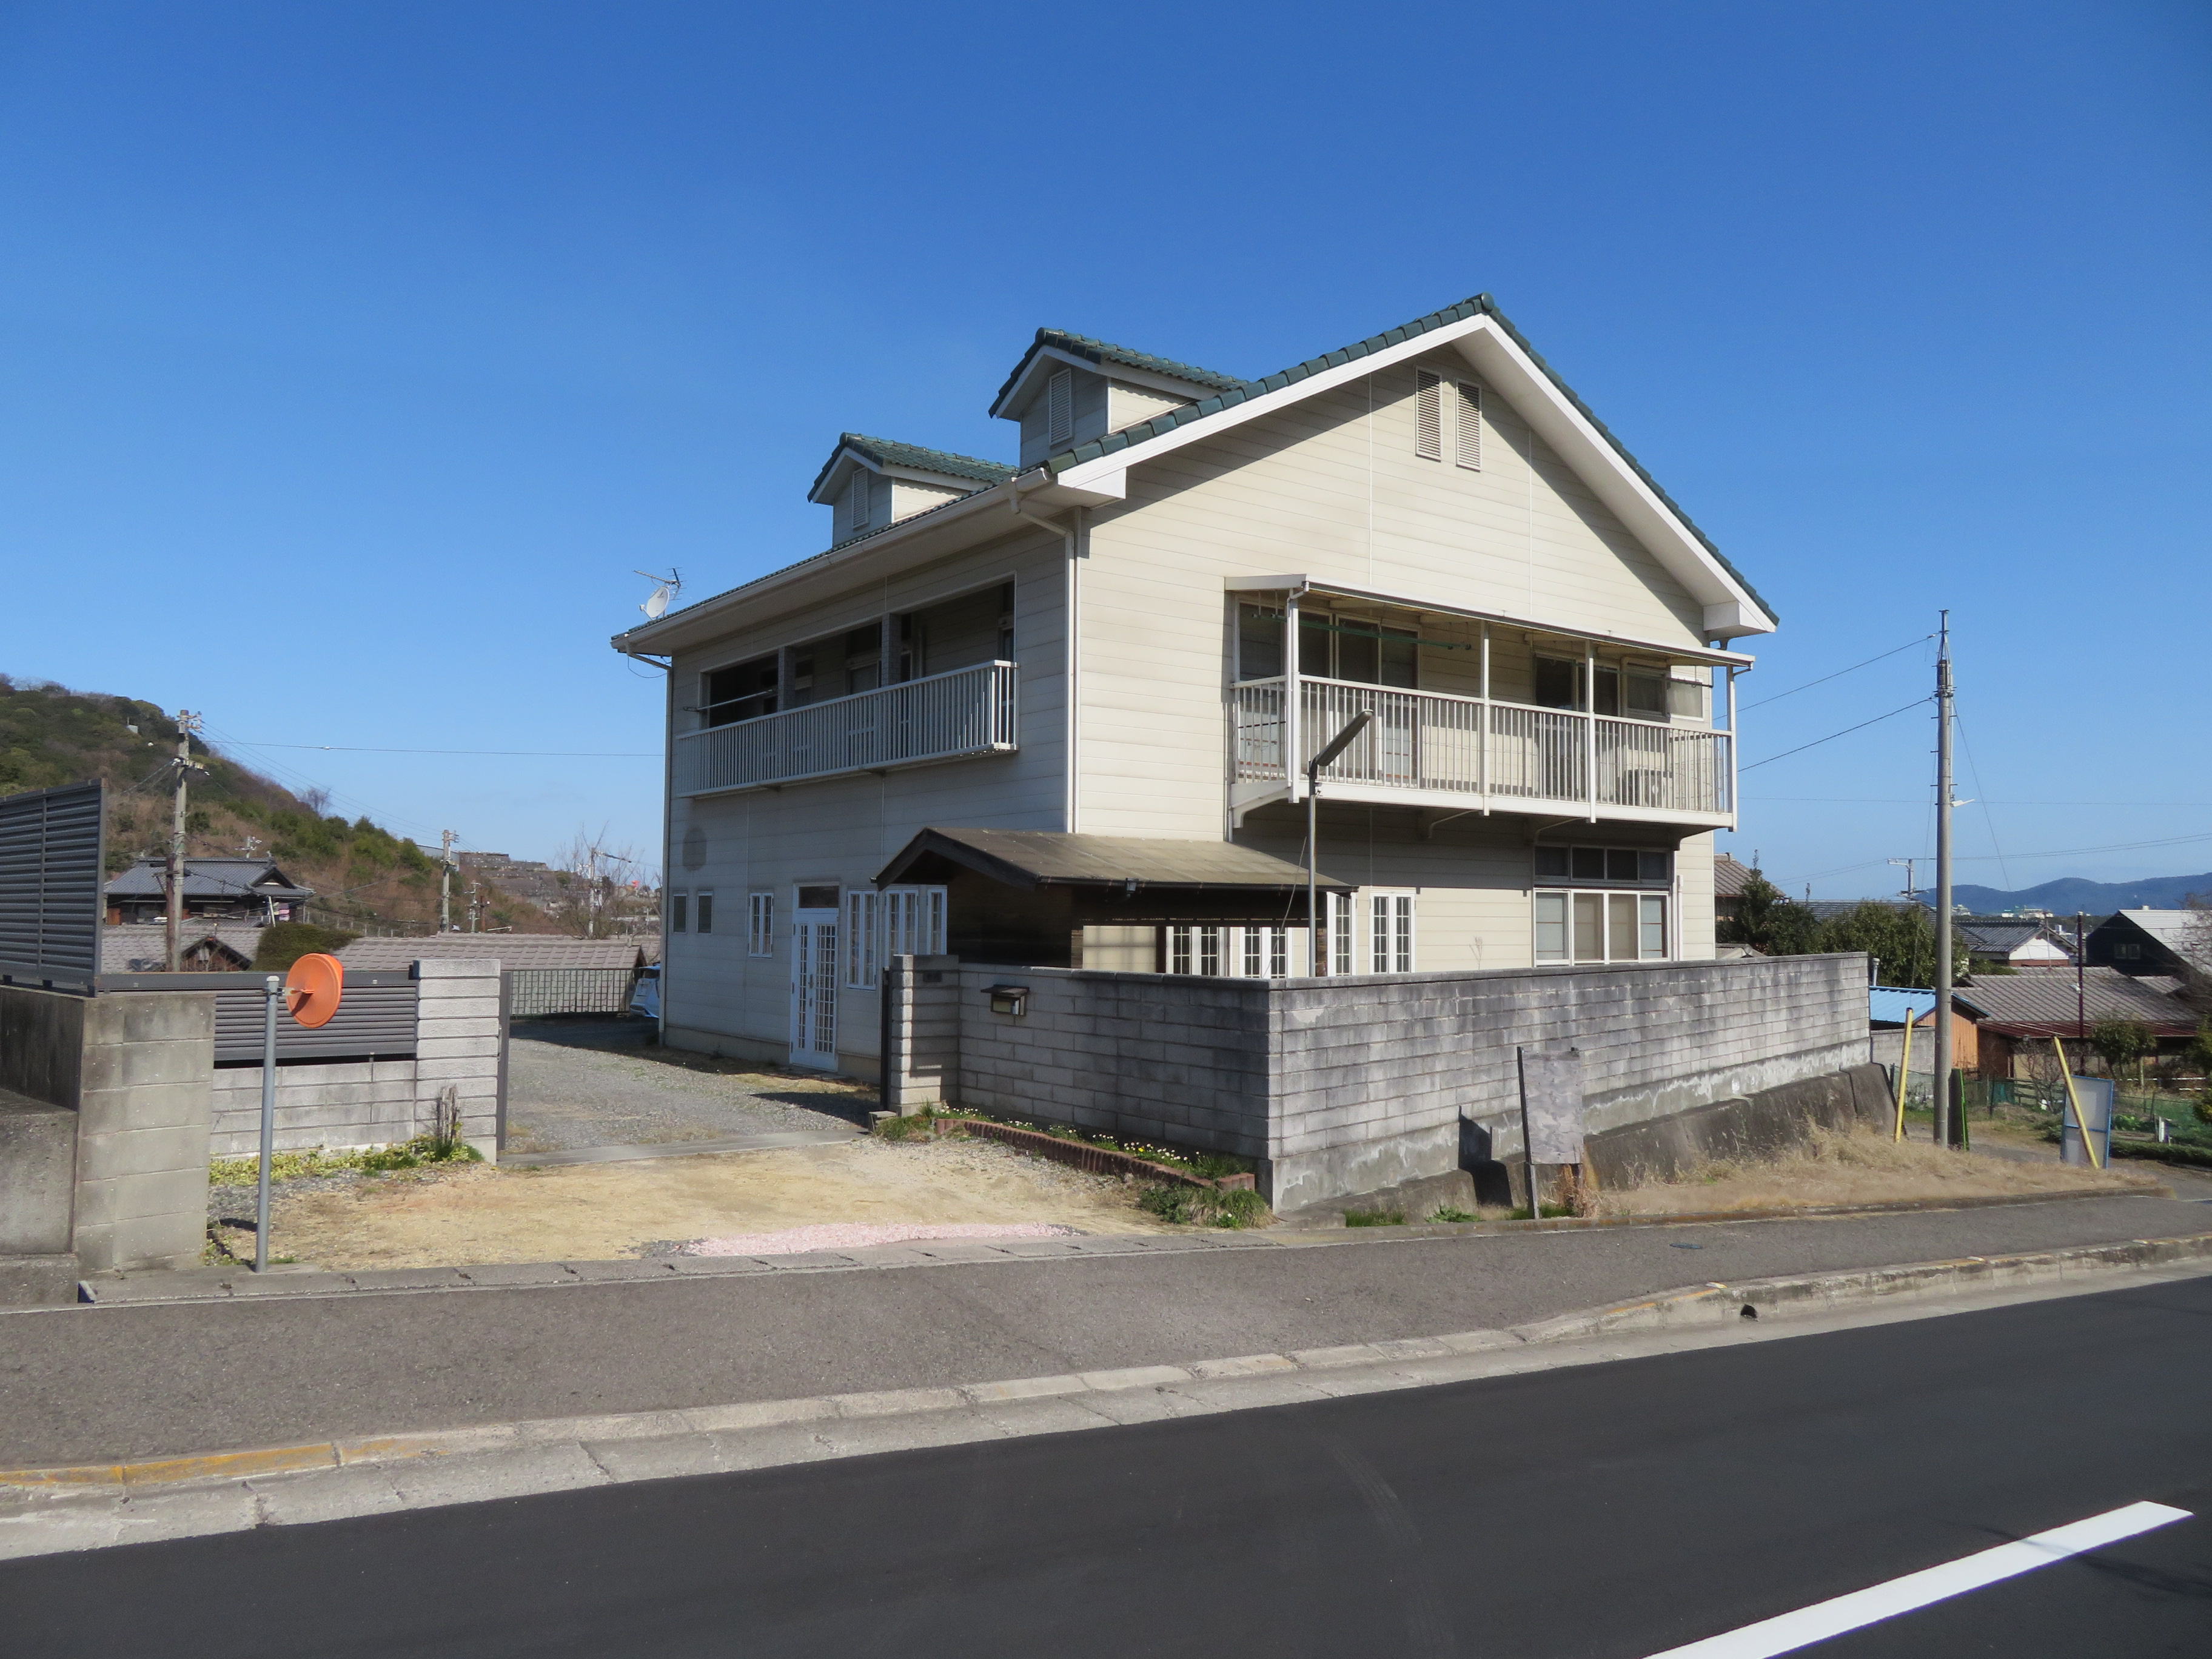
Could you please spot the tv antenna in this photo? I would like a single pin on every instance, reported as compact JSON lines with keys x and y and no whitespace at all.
{"x":656,"y":607}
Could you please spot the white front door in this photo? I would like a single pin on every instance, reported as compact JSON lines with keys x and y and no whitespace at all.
{"x":814,"y":989}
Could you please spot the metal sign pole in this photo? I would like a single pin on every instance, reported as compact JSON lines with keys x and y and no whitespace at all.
{"x":274,"y":988}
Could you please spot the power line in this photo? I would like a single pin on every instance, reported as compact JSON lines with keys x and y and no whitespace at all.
{"x":1838,"y":675}
{"x":1832,"y":736}
{"x":540,"y":754}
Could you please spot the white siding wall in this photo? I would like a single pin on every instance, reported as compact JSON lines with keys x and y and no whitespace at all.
{"x":908,"y":498}
{"x":1126,"y":406}
{"x":843,"y":830}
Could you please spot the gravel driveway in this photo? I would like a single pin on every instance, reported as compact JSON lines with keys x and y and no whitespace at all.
{"x":573,"y":1084}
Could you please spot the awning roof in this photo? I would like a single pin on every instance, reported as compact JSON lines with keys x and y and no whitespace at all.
{"x":1042,"y":857}
{"x":1300,"y":583}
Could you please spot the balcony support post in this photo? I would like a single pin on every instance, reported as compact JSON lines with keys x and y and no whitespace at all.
{"x":1590,"y":724}
{"x":1482,"y":729}
{"x":1293,"y":698}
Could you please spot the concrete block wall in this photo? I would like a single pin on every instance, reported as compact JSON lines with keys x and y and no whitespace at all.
{"x":143,"y":1106}
{"x":1348,"y":1085}
{"x":347,"y":1103}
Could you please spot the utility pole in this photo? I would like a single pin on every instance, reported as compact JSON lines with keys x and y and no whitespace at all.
{"x":444,"y":881}
{"x":1942,"y":1079}
{"x":187,"y":723}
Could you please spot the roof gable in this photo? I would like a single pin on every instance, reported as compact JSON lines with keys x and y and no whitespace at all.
{"x":1139,"y":368}
{"x":886,"y":455}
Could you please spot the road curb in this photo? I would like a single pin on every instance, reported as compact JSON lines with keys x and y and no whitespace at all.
{"x":177,"y":1287}
{"x":825,"y":1422}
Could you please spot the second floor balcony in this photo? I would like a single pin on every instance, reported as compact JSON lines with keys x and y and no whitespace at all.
{"x":1430,"y":749}
{"x":943,"y":717}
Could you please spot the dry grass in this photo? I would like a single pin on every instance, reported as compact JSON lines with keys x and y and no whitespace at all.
{"x":1865,"y":1167}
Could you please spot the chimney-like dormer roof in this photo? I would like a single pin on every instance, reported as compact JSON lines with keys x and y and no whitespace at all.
{"x":1139,"y":367}
{"x":963,"y":472}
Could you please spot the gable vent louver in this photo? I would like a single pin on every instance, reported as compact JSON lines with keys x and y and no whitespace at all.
{"x":856,"y":500}
{"x":1468,"y":452}
{"x":1060,"y":408}
{"x":1428,"y":415}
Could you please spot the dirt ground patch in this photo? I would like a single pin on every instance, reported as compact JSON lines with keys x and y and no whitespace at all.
{"x":478,"y":1214}
{"x":1862,"y":1168}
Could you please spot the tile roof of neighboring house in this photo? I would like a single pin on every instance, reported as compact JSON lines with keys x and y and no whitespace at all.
{"x":142,"y":947}
{"x":885,"y":451}
{"x":2000,"y":937}
{"x":1103,"y":352}
{"x":1730,"y":877}
{"x":510,"y":950}
{"x":1032,"y":857}
{"x":209,"y":879}
{"x":2043,"y":1004}
{"x":1888,"y":1005}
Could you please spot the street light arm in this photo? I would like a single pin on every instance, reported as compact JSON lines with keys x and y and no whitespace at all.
{"x":1337,"y":745}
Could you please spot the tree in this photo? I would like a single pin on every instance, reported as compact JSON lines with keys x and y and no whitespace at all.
{"x":2120,"y":1042}
{"x":604,"y":890}
{"x":1770,"y":924}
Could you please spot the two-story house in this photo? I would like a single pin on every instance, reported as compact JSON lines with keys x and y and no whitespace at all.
{"x":1060,"y":712}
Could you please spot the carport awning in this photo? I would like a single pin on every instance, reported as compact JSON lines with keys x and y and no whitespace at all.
{"x":1053,"y":858}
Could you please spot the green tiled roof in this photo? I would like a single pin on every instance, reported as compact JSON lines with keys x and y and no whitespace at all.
{"x":1480,"y":305}
{"x":1103,"y":352}
{"x":883,"y":452}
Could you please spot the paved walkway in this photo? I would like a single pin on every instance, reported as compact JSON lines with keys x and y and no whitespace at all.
{"x":83,"y":1384}
{"x":574,"y":1083}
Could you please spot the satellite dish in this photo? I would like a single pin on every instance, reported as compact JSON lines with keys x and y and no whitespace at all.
{"x":657,"y":607}
{"x":312,"y":989}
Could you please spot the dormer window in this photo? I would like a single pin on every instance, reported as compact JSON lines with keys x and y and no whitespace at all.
{"x":1060,"y":408}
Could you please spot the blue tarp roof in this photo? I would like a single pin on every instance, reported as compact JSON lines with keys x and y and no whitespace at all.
{"x":1888,"y":1005}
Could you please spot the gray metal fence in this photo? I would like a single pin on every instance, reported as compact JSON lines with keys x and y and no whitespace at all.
{"x":375,"y":1018}
{"x":51,"y":886}
{"x":535,"y":992}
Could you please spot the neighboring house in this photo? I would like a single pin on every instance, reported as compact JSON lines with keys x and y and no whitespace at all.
{"x":2015,"y":942}
{"x":1891,"y":1008}
{"x":216,"y":889}
{"x":1730,"y":878}
{"x":208,"y":947}
{"x":2017,"y":1012}
{"x":2163,"y":942}
{"x":1059,"y":713}
{"x":511,"y":950}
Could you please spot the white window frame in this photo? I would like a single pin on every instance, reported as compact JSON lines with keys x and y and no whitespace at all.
{"x":1390,"y":944}
{"x":1341,"y":932}
{"x":760,"y":924}
{"x":913,"y":921}
{"x":1260,"y":951}
{"x":863,"y":937}
{"x":1645,"y":900}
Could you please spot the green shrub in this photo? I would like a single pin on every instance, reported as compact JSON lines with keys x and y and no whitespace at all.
{"x":284,"y":943}
{"x":1373,"y":1218}
{"x":1450,"y":1212}
{"x":917,"y":1126}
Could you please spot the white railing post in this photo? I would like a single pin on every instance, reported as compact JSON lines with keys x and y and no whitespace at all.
{"x":1293,"y":700}
{"x":1589,"y":728}
{"x":1482,"y":727}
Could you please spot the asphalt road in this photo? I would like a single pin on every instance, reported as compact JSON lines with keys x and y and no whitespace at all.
{"x":90,"y":1383}
{"x":1605,"y":1512}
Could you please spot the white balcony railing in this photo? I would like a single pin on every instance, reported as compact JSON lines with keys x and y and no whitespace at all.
{"x":967,"y":711}
{"x":1427,"y":742}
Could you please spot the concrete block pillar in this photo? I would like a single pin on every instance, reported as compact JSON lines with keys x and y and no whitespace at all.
{"x":144,"y":1105}
{"x":457,"y":1046}
{"x":921,"y":1032}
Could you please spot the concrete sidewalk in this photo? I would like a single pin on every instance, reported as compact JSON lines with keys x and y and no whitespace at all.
{"x":95,"y":1383}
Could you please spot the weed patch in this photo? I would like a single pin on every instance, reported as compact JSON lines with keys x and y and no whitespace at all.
{"x":1373,"y":1218}
{"x":1197,"y":1207}
{"x":419,"y":1153}
{"x":1450,"y":1212}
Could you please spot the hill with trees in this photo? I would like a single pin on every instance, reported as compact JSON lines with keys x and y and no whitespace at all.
{"x":365,"y":878}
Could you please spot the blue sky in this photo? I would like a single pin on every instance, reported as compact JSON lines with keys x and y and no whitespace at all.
{"x":356,"y":355}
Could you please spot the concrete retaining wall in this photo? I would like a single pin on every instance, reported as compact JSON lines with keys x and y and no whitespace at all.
{"x":1765,"y":1125}
{"x":1349,"y":1085}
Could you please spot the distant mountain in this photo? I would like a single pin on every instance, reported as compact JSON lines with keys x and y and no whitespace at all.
{"x":2071,"y":893}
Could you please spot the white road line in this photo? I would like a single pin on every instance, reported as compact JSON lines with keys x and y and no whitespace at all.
{"x":1823,"y":1620}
